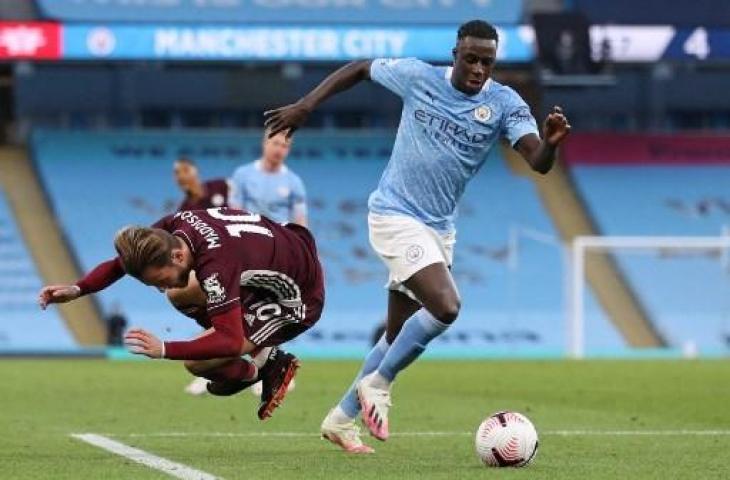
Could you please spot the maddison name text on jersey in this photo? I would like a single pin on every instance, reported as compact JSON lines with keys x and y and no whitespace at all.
{"x":205,"y":230}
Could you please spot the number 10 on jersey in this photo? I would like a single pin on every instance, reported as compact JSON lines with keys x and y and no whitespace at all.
{"x":244,"y":223}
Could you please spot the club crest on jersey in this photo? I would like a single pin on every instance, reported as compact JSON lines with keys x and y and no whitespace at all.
{"x":390,"y":62}
{"x":213,"y":288}
{"x":414,"y":253}
{"x":483,"y":113}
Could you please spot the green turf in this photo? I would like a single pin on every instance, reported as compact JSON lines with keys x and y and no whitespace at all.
{"x":44,"y":401}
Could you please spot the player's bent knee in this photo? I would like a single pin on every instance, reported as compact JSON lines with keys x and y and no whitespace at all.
{"x":450,"y":314}
{"x":448,"y":311}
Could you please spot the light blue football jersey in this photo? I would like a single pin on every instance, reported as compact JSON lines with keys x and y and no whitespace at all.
{"x":443,"y":139}
{"x":279,"y":196}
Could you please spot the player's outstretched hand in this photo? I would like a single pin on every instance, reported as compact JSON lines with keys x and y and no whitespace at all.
{"x":556,"y":126}
{"x":286,"y":119}
{"x":142,"y":342}
{"x":57,"y":294}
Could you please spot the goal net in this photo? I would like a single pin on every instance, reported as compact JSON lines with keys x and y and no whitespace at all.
{"x":648,"y":294}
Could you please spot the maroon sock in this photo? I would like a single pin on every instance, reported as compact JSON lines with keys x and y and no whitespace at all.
{"x":238,"y":369}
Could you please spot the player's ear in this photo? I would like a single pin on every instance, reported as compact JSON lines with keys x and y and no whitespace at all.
{"x":453,"y":53}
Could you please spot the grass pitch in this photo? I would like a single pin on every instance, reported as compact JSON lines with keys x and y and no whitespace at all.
{"x":596,"y":419}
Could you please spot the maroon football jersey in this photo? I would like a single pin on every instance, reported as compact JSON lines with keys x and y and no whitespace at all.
{"x":238,"y":255}
{"x":215,"y":194}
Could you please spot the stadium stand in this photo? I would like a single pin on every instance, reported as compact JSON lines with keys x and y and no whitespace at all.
{"x":22,"y":324}
{"x":632,"y":191}
{"x":514,"y":295}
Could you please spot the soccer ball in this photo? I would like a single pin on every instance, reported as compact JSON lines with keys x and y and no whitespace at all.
{"x":506,"y":439}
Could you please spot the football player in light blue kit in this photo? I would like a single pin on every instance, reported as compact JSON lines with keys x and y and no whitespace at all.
{"x":452,"y":117}
{"x":268,"y":187}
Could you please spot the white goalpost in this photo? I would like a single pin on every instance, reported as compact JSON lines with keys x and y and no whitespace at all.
{"x":583,"y":245}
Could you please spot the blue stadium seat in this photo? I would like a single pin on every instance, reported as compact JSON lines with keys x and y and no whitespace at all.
{"x":22,"y":324}
{"x":686,"y":295}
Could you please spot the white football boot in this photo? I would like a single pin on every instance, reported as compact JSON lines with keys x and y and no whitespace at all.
{"x":344,"y":434}
{"x":375,"y":403}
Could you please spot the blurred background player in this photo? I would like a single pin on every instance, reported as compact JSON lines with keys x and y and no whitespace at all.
{"x":199,"y":195}
{"x":451,"y":119}
{"x":268,"y":187}
{"x":117,"y":323}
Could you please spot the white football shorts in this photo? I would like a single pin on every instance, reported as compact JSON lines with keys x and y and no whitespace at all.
{"x":406,"y":246}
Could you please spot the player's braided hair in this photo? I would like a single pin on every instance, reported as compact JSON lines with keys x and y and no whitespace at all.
{"x":142,"y":247}
{"x":478,"y":29}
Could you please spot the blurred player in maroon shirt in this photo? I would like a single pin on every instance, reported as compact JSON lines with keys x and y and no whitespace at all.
{"x":198,"y":195}
{"x":261,"y":285}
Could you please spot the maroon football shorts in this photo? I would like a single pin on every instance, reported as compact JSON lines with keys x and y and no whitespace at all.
{"x":267,"y":323}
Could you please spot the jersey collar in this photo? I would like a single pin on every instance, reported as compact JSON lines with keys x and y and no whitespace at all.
{"x":184,"y":236}
{"x":257,"y":166}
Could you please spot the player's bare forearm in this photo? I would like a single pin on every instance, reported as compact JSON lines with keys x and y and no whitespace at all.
{"x":543,"y":158}
{"x":540,"y":154}
{"x":291,"y":117}
{"x":342,"y":79}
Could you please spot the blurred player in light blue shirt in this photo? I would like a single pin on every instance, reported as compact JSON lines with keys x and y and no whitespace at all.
{"x":268,"y":187}
{"x":452,"y":117}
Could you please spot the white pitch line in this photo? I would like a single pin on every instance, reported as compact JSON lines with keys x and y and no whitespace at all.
{"x":272,"y":434}
{"x":638,"y":433}
{"x":562,"y":433}
{"x":164,"y":465}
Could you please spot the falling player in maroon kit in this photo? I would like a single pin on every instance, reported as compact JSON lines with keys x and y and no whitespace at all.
{"x":262,"y":282}
{"x":199,"y":195}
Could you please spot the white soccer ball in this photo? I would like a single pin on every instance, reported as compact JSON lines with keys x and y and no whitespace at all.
{"x":506,"y":439}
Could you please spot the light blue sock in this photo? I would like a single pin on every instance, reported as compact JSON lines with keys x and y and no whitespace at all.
{"x":349,"y":403}
{"x":416,"y":333}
